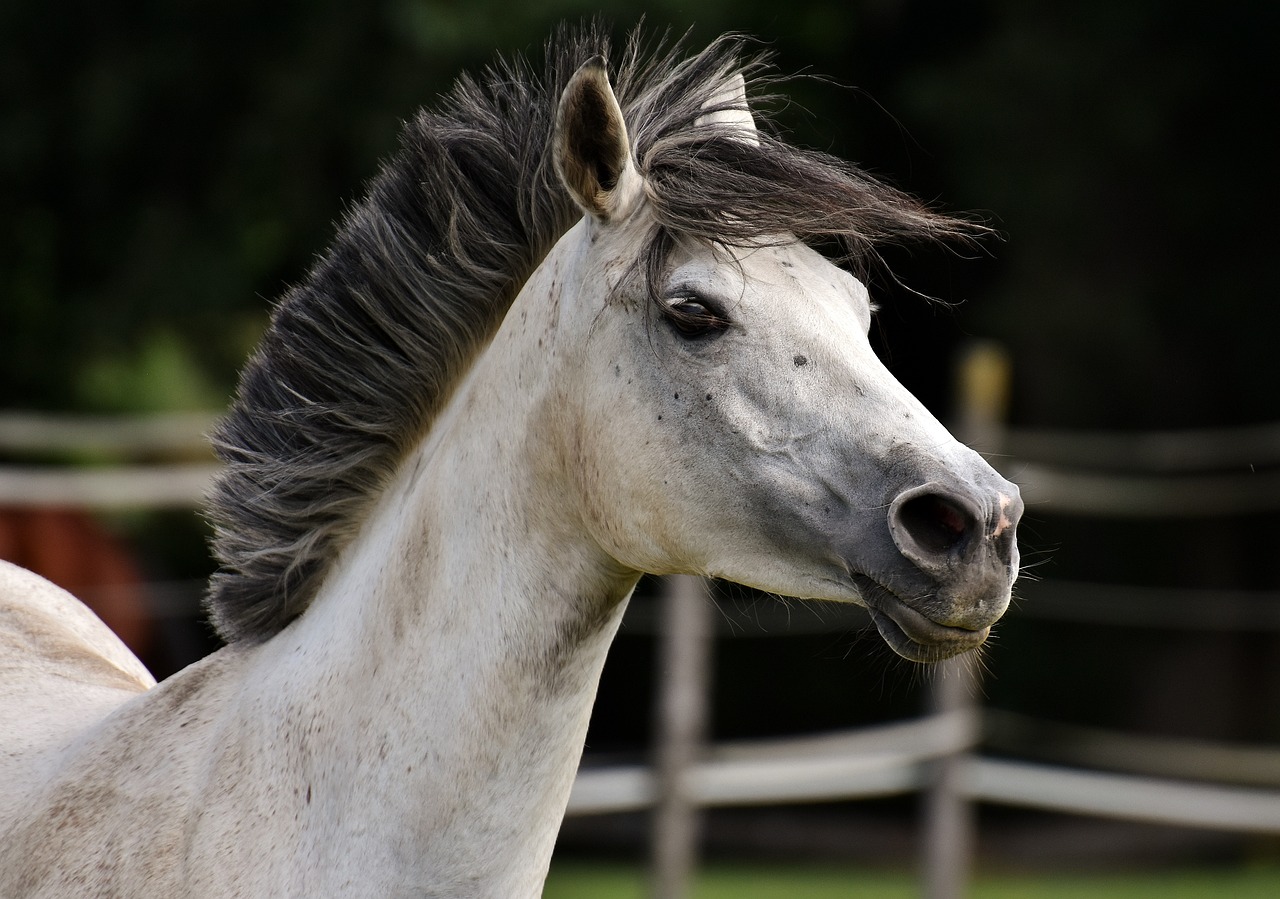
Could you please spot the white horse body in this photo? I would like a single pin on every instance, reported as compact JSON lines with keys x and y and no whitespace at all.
{"x":416,"y":732}
{"x":472,"y":681}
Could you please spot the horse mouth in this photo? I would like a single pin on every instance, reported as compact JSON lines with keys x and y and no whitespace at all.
{"x":911,"y":634}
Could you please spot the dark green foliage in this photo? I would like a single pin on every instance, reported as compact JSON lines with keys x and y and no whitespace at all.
{"x":168,"y":169}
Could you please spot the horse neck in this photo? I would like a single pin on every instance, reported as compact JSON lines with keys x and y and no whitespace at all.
{"x":453,"y":655}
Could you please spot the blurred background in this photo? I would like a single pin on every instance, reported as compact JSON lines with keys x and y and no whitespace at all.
{"x":166,"y":169}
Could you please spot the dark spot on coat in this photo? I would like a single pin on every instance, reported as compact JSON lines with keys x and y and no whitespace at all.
{"x":800,"y":360}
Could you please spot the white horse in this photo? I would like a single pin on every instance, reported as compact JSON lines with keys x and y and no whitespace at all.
{"x":571,"y":336}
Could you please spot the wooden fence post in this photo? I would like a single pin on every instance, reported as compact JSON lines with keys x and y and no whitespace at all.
{"x":684,"y":651}
{"x":982,"y":402}
{"x":949,"y":827}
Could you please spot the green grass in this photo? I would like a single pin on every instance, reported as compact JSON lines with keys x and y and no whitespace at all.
{"x":572,"y":880}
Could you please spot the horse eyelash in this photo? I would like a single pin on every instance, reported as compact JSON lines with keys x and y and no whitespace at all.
{"x":674,"y":298}
{"x":712,"y":321}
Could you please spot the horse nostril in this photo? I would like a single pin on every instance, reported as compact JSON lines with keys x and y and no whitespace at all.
{"x":935,"y":523}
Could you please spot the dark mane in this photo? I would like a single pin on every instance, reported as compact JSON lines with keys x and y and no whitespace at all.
{"x":359,"y":358}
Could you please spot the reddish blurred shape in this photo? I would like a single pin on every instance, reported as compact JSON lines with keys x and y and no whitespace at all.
{"x":71,"y":548}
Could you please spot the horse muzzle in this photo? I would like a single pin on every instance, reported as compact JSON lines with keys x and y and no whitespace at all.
{"x":958,"y":560}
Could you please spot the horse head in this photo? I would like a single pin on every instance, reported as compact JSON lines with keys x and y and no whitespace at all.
{"x":729,"y":417}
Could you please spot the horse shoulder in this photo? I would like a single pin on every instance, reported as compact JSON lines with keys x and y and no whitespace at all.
{"x":117,"y":806}
{"x":48,"y":633}
{"x":61,"y":670}
{"x":101,"y":771}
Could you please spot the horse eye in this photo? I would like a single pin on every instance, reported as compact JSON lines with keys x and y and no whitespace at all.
{"x":694,"y":318}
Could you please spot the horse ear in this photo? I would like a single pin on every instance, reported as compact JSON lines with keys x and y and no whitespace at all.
{"x":727,"y":108}
{"x":592,"y":152}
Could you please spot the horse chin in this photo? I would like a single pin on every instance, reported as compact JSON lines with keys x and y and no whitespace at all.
{"x":912,"y":635}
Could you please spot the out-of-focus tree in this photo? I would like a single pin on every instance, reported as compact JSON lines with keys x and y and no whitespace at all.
{"x":165,"y":169}
{"x":1126,"y":150}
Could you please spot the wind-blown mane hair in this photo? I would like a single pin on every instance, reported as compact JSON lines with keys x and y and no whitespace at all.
{"x":360,"y":357}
